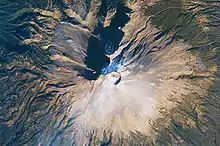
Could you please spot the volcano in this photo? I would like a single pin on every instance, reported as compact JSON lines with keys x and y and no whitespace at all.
{"x":109,"y":72}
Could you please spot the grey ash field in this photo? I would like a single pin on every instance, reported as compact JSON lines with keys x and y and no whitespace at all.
{"x":109,"y":72}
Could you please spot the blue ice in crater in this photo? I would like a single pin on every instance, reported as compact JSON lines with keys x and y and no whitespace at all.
{"x":113,"y":65}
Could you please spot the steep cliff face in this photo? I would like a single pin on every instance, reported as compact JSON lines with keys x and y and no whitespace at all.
{"x":99,"y":72}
